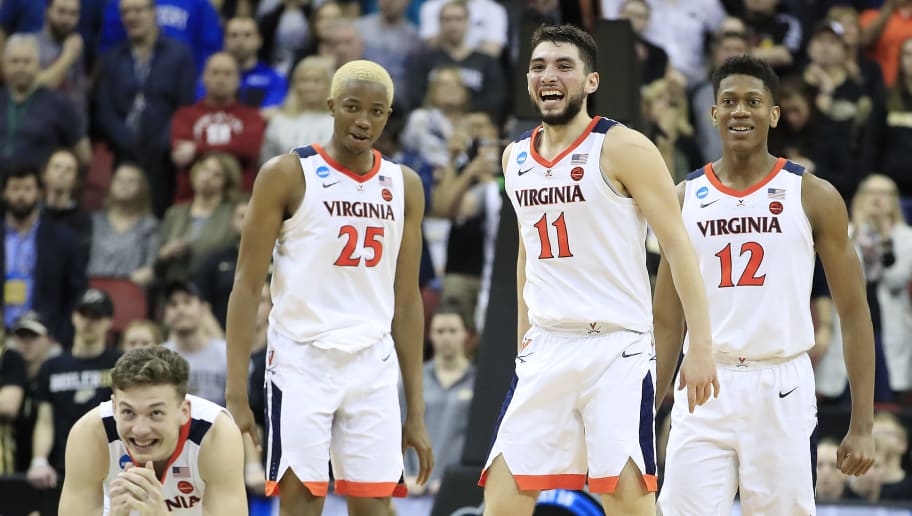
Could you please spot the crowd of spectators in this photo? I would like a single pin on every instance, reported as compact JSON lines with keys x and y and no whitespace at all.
{"x":134,"y":130}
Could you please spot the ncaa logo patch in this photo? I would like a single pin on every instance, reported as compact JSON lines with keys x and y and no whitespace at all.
{"x":322,"y":171}
{"x":702,"y":192}
{"x":521,"y":158}
{"x":124,"y":460}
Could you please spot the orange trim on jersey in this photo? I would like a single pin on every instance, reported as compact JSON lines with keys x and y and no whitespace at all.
{"x":714,"y":180}
{"x":609,"y":484}
{"x":543,"y":482}
{"x":370,"y":489}
{"x":315,"y":488}
{"x":378,"y":158}
{"x":551,"y":164}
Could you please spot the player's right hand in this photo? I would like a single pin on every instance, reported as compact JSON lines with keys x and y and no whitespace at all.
{"x":414,"y":435}
{"x":243,"y":418}
{"x":698,"y":375}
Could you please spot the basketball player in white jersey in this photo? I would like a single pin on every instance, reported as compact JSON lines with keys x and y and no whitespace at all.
{"x":343,"y":226}
{"x":154,"y":450}
{"x":756,"y":221}
{"x":583,"y":395}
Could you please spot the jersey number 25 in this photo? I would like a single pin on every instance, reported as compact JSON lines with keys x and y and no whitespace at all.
{"x":372,"y":241}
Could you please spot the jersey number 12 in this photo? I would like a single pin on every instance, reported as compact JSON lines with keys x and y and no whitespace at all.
{"x":749,"y":276}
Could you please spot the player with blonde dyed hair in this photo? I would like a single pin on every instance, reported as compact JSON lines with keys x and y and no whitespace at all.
{"x":362,"y":70}
{"x":332,"y":376}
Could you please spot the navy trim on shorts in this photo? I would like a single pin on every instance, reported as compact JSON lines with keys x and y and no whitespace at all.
{"x":647,"y":423}
{"x":274,"y":431}
{"x":815,"y":439}
{"x":503,"y":410}
{"x":305,"y":152}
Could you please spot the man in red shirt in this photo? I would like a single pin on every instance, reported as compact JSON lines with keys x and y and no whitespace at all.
{"x":218,"y":122}
{"x":883,"y":32}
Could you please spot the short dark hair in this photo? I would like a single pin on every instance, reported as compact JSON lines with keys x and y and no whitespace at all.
{"x":23,"y":172}
{"x":154,"y":365}
{"x":747,"y":65}
{"x":450,"y":308}
{"x":566,"y":33}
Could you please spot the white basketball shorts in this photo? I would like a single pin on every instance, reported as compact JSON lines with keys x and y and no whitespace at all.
{"x":324,"y":404}
{"x":758,"y":436}
{"x":581,"y":405}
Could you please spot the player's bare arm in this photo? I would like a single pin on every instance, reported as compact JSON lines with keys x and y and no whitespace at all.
{"x":277,"y":191}
{"x":522,"y":311}
{"x":221,"y":464}
{"x":83,"y":493}
{"x":829,"y":220}
{"x":668,"y":322}
{"x":408,"y":327}
{"x":634,"y":165}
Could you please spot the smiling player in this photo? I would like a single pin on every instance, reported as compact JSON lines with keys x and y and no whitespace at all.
{"x":583,"y":189}
{"x":154,"y":450}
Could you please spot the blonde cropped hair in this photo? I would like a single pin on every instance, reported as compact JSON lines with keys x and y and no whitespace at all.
{"x":362,"y":70}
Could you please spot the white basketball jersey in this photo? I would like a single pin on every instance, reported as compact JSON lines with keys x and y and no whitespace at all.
{"x":585,"y":244}
{"x":335,"y":257}
{"x":181,"y":482}
{"x":756,"y":254}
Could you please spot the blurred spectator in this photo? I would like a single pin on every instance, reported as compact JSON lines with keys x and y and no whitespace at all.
{"x":429,"y":128}
{"x":831,"y":482}
{"x":680,"y":28}
{"x":192,"y":230}
{"x":13,"y":386}
{"x":861,"y":68}
{"x":449,"y":379}
{"x":125,"y":233}
{"x":798,"y":134}
{"x":666,"y":115}
{"x":891,"y":439}
{"x":215,"y":275}
{"x":141,"y":83}
{"x":304,"y":117}
{"x":184,"y":318}
{"x":324,"y":16}
{"x":286,"y":31}
{"x":30,"y":338}
{"x":217,"y":123}
{"x":392,"y":43}
{"x":38,"y":120}
{"x":460,"y":197}
{"x":62,"y":55}
{"x":195,"y":23}
{"x":894,"y":154}
{"x":844,"y":105}
{"x":487,"y":32}
{"x":61,"y":195}
{"x":141,"y":333}
{"x":653,"y":59}
{"x":724,"y":46}
{"x":69,"y":385}
{"x":884,"y":215}
{"x":873,"y":214}
{"x":867,"y":487}
{"x":261,"y":86}
{"x":883,"y":32}
{"x":45,"y":265}
{"x":774,"y":36}
{"x":480,"y":73}
{"x":343,"y":41}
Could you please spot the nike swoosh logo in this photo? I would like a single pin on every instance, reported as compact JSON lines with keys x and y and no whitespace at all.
{"x":327,"y":185}
{"x":782,"y":395}
{"x":625,"y":355}
{"x":521,"y":172}
{"x":705,"y":204}
{"x":387,"y":357}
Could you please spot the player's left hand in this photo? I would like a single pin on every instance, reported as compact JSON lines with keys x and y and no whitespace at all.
{"x":143,"y":491}
{"x":855,"y":455}
{"x":414,"y":435}
{"x":698,"y":375}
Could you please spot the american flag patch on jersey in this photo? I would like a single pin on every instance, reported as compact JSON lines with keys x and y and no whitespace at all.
{"x":180,"y":471}
{"x":776,"y":193}
{"x":579,"y":159}
{"x":386,"y":181}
